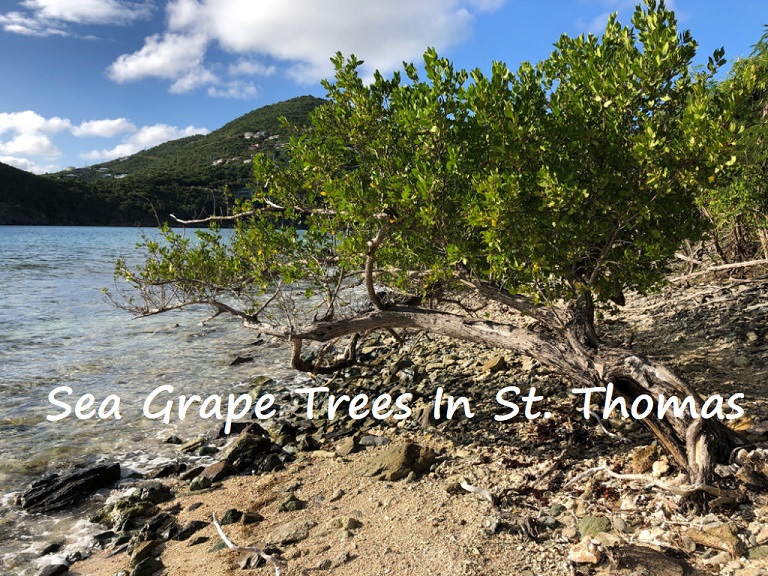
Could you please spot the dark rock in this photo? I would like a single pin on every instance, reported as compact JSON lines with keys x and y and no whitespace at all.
{"x":193,"y":473}
{"x":251,"y":518}
{"x":58,"y":492}
{"x":154,"y":492}
{"x":172,"y":469}
{"x":292,"y":504}
{"x":271,"y":462}
{"x":144,"y":550}
{"x":191,"y":528}
{"x":192,"y":446}
{"x":307,"y":443}
{"x":197,"y":540}
{"x":245,"y":452}
{"x":207,"y":450}
{"x":54,"y":570}
{"x":218,"y":471}
{"x":103,"y":538}
{"x":200,"y":483}
{"x":51,"y":548}
{"x":174,"y":440}
{"x":163,"y":526}
{"x":235,"y":428}
{"x":231,"y":516}
{"x":148,"y":567}
{"x":241,"y":360}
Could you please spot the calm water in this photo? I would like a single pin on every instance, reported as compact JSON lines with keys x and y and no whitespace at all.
{"x":57,"y":330}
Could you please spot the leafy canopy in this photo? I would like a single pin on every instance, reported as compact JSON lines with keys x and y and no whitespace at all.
{"x":579,"y":173}
{"x":740,"y":195}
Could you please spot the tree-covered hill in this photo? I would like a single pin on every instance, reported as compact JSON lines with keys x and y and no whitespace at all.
{"x":29,"y":199}
{"x":188,"y":176}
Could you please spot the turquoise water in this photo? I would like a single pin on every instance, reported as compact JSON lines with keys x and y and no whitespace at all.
{"x":56,"y":329}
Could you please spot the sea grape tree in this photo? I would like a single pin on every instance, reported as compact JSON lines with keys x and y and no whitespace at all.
{"x":415,"y":199}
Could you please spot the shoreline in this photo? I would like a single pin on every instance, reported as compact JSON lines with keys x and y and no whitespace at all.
{"x":551,"y":515}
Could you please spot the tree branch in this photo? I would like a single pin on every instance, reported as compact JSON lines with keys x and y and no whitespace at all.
{"x":373,"y":245}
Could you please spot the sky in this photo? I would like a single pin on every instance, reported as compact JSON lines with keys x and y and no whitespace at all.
{"x":86,"y":81}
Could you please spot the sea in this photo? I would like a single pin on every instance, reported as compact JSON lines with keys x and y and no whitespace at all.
{"x":59,"y":332}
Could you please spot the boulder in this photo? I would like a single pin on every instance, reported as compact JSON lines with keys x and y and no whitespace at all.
{"x":398,"y":461}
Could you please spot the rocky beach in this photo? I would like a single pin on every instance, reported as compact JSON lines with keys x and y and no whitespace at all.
{"x":469,"y":495}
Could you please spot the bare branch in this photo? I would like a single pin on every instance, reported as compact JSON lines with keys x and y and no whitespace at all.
{"x":373,"y":245}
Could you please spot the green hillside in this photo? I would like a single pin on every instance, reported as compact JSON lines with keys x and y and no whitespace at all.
{"x":188,"y":176}
{"x":29,"y":199}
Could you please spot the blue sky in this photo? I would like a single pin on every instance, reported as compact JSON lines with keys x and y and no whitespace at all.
{"x":85,"y":81}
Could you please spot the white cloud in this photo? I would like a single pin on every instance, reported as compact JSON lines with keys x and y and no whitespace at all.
{"x":250,"y":68}
{"x":29,"y":121}
{"x":107,"y":128}
{"x":194,"y":78}
{"x":89,"y":11}
{"x":28,"y":165}
{"x":236,"y":89}
{"x":300,"y":36}
{"x":171,"y":56}
{"x":29,"y":134}
{"x":18,"y":23}
{"x":31,"y":144}
{"x":143,"y":138}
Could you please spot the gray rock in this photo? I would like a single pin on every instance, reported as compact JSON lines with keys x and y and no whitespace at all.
{"x":593,"y":525}
{"x":200,"y":483}
{"x":397,"y":461}
{"x":290,"y":532}
{"x":371,"y":440}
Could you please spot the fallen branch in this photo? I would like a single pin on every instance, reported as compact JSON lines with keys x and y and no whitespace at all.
{"x":720,"y":267}
{"x":278,"y":564}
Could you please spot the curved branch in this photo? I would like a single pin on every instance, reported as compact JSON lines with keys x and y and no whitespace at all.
{"x":550,"y":350}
